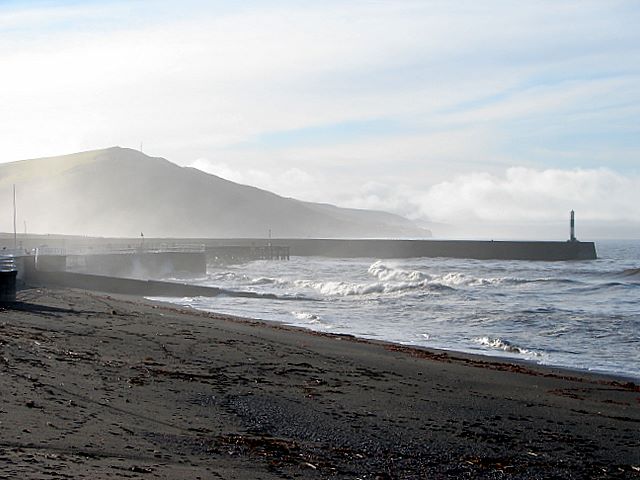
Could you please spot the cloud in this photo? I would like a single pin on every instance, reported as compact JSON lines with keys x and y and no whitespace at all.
{"x":516,"y":196}
{"x":525,"y":194}
{"x":194,"y":79}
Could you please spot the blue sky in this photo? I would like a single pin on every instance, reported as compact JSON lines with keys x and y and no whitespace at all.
{"x":369,"y":104}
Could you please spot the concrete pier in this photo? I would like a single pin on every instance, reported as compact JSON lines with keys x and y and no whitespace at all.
{"x":474,"y":249}
{"x":240,"y":248}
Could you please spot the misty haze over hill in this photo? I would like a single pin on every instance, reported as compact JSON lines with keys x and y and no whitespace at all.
{"x":122,"y":192}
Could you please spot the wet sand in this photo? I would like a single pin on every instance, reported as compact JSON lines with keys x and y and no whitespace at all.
{"x":94,"y":386}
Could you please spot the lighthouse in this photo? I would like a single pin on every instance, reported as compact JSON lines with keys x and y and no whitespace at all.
{"x":572,"y":227}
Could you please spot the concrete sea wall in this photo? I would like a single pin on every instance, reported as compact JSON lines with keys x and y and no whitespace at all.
{"x":475,"y":249}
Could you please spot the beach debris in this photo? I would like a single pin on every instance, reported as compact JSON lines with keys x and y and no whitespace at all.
{"x":151,"y":361}
{"x":137,"y":380}
{"x":138,"y":469}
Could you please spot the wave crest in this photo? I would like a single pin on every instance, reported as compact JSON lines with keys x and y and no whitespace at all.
{"x":452,"y":279}
{"x":390,"y":274}
{"x":345,"y":289}
{"x":504,"y":345}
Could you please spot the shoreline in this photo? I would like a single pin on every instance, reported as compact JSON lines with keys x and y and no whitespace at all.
{"x":103,"y":385}
{"x":473,"y":356}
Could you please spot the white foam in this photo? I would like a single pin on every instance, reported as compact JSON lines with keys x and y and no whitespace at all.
{"x":455,"y":279}
{"x":349,"y":289}
{"x":500,"y":344}
{"x":390,"y":274}
{"x":451,"y":279}
{"x":264,"y":281}
{"x":305,"y":316}
{"x":227,"y":276}
{"x":310,"y":320}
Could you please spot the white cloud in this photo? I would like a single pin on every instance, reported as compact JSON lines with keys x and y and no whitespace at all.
{"x":517,"y":203}
{"x":524,"y":194}
{"x":208,"y":79}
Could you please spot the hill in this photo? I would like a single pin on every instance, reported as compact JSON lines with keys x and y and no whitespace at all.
{"x":122,"y":192}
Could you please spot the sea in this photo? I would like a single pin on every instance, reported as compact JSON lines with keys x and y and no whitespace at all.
{"x":582,"y":315}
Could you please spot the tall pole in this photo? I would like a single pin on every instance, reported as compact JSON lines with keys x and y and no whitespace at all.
{"x":15,"y":233}
{"x":572,"y":227}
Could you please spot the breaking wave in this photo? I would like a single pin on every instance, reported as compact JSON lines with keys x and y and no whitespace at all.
{"x":504,"y":345}
{"x":345,"y":289}
{"x":389,"y":274}
{"x":452,"y":279}
{"x":387,"y":280}
{"x":391,"y":280}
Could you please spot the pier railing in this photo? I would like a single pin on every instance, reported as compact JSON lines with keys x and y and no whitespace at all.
{"x":145,"y":247}
{"x":237,"y":253}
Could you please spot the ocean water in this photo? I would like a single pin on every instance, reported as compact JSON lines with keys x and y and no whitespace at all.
{"x":577,"y":314}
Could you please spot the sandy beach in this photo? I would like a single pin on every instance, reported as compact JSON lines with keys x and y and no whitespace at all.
{"x":97,"y":386}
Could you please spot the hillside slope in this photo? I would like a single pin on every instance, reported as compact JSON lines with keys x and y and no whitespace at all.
{"x":122,"y":192}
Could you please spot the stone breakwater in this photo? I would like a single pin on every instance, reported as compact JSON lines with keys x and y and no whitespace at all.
{"x":474,"y":249}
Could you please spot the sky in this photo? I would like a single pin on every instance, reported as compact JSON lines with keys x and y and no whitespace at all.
{"x":469,"y":117}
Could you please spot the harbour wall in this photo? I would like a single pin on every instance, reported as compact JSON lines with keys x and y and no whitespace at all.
{"x":379,"y":248}
{"x":474,"y":249}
